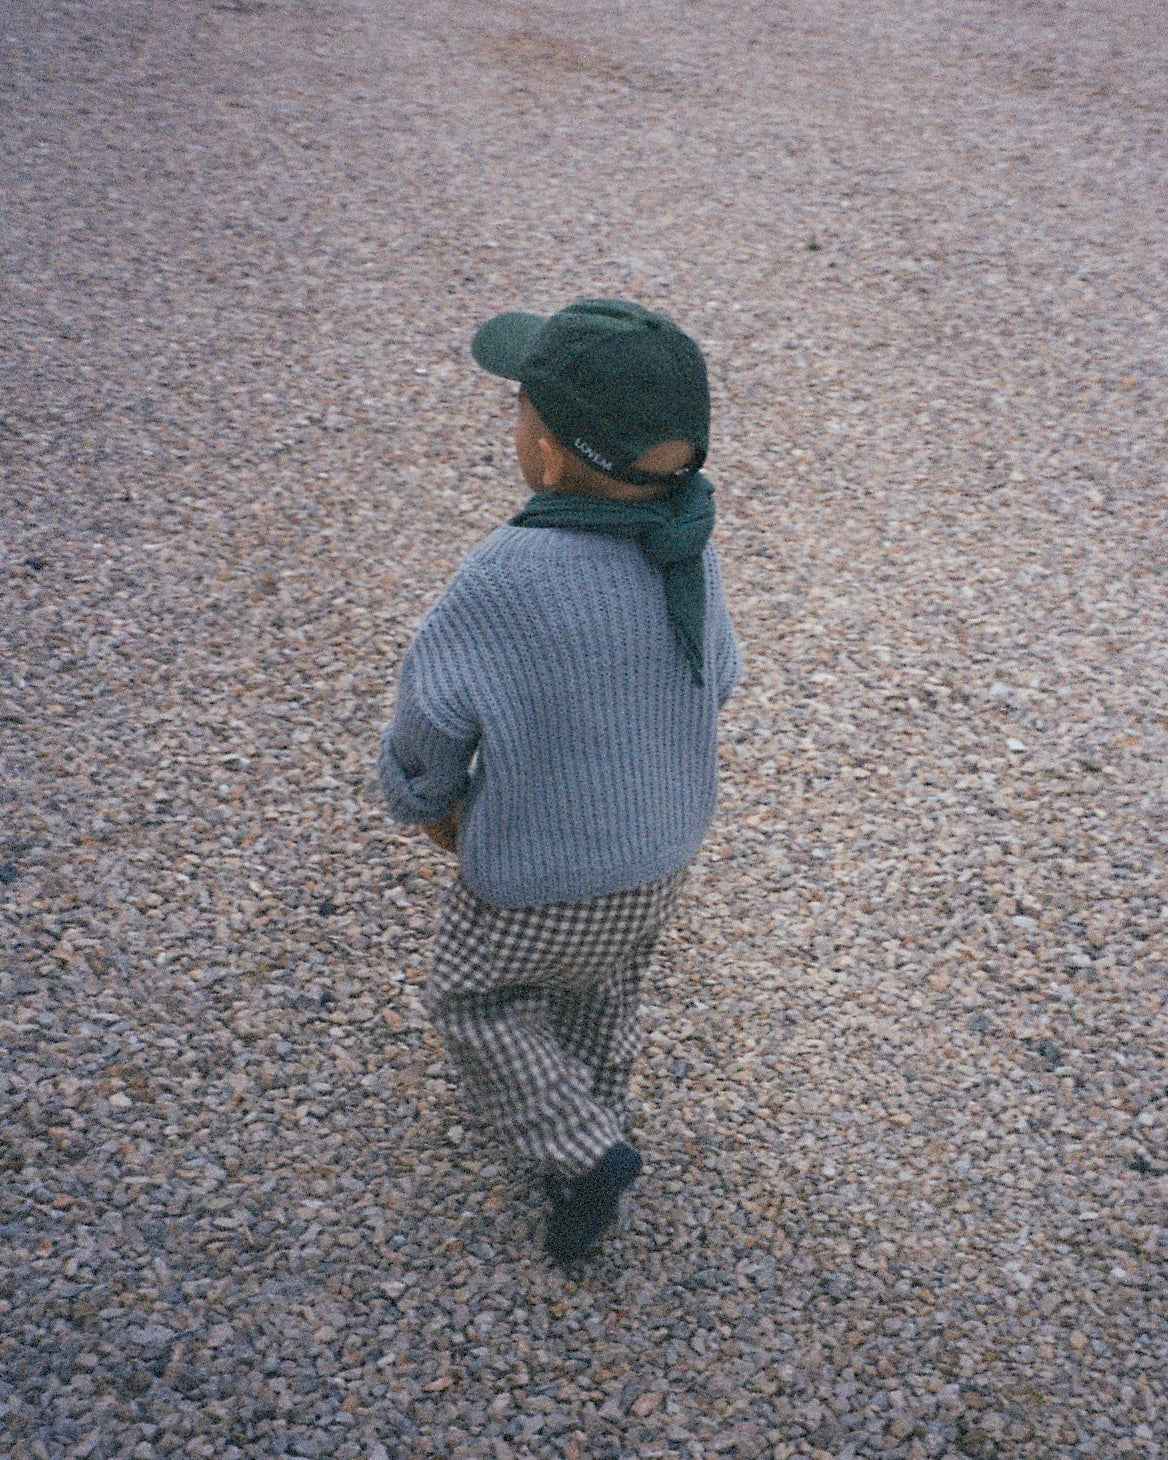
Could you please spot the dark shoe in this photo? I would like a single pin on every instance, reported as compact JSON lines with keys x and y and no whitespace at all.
{"x":585,"y":1208}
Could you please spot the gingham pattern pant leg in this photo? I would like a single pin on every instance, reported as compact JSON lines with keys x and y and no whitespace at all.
{"x":599,"y":1026}
{"x":538,"y":1011}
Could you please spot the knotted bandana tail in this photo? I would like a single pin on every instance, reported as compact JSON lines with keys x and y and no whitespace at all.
{"x":671,"y":531}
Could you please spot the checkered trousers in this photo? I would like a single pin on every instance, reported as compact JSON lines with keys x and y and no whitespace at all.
{"x":538,"y":1007}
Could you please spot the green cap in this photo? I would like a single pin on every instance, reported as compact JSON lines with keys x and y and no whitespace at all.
{"x":608,"y":378}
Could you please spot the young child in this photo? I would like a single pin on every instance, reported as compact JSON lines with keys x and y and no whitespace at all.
{"x":555,"y":724}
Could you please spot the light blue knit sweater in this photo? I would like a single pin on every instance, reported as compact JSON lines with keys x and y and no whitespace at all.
{"x":551,"y":655}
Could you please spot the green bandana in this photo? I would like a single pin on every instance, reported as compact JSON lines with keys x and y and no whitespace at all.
{"x":671,"y":531}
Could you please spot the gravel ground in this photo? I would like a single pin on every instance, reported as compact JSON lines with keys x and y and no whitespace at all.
{"x":903,"y":1103}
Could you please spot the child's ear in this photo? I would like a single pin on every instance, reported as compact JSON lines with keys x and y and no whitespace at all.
{"x":554,"y":460}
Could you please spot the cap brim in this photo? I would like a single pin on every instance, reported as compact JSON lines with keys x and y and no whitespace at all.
{"x":503,"y":344}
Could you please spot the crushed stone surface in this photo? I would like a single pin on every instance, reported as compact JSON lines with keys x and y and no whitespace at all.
{"x":903,"y":1102}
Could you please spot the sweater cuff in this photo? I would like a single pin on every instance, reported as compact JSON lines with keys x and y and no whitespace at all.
{"x":422,"y":771}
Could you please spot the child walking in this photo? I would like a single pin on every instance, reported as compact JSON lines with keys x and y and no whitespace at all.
{"x":555,"y":725}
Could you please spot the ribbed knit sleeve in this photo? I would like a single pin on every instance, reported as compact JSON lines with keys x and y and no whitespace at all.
{"x":423,"y":771}
{"x":552,"y":655}
{"x":444,"y":664}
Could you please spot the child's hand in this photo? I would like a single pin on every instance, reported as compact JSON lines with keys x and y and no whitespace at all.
{"x":444,"y":833}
